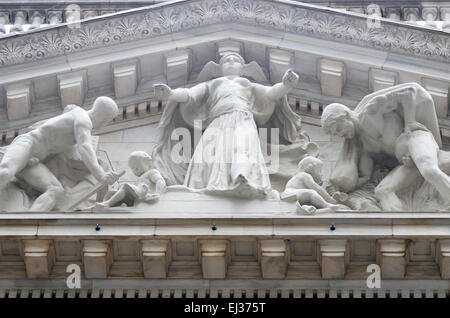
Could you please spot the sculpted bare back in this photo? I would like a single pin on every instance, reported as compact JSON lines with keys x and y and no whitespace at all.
{"x":399,"y":122}
{"x":63,"y":134}
{"x":57,"y":134}
{"x":380,"y":136}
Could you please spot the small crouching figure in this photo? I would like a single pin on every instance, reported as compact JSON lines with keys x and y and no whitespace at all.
{"x":148,"y":188}
{"x":306,"y":189}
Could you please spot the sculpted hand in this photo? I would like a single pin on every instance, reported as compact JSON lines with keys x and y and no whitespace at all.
{"x":144,"y":188}
{"x":161,"y":186}
{"x":162,"y":91}
{"x":110,"y":177}
{"x":33,"y":162}
{"x":362,"y":181}
{"x":340,"y":196}
{"x":290,"y":79}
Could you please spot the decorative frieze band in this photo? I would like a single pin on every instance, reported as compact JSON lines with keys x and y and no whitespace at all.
{"x":228,"y":258}
{"x":429,"y":13}
{"x":148,"y":23}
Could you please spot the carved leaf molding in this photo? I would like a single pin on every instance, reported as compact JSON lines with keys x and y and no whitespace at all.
{"x":295,"y":18}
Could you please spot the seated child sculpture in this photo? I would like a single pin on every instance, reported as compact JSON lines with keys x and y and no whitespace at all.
{"x":306,"y":189}
{"x":149,"y":186}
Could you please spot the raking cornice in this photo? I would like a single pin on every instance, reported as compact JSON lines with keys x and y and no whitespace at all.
{"x":177,"y":16}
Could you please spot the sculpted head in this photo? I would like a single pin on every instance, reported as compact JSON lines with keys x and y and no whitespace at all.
{"x":313,"y":166}
{"x":139,"y":162}
{"x":337,"y":121}
{"x":103,"y":111}
{"x":232,"y":64}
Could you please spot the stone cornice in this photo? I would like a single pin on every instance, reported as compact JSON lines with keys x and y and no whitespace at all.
{"x":179,"y":16}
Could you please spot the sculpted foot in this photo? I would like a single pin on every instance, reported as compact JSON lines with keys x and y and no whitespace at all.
{"x":101,"y":205}
{"x":306,"y":209}
{"x":151,"y":197}
{"x":334,"y":207}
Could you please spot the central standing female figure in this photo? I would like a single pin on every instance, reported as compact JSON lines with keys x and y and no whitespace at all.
{"x":228,"y":157}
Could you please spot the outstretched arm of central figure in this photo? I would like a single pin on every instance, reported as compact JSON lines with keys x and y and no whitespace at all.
{"x":194,"y":94}
{"x":279,"y":90}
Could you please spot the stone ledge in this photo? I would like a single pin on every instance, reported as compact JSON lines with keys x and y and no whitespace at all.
{"x":245,"y":252}
{"x":373,"y":225}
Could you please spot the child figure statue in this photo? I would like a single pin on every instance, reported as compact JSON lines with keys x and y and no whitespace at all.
{"x":306,"y":189}
{"x":149,"y":186}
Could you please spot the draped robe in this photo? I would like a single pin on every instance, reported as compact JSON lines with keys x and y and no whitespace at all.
{"x":229,"y":153}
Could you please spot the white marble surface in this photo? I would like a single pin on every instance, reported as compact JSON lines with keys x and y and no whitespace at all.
{"x":118,"y":146}
{"x":53,"y":151}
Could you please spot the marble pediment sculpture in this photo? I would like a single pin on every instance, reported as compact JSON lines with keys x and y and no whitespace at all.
{"x":55,"y":161}
{"x":306,"y":189}
{"x":228,"y":158}
{"x":392,"y":157}
{"x":148,"y":188}
{"x":212,"y":143}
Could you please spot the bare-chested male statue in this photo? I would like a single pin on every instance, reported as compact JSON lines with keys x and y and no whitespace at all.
{"x":398,"y":122}
{"x":68,"y":132}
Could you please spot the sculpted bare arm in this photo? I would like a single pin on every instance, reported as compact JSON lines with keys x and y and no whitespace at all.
{"x":83,"y":138}
{"x":365,"y":167}
{"x":194,"y":94}
{"x":309,"y":181}
{"x":404,"y":97}
{"x":156,"y":178}
{"x":279,"y":90}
